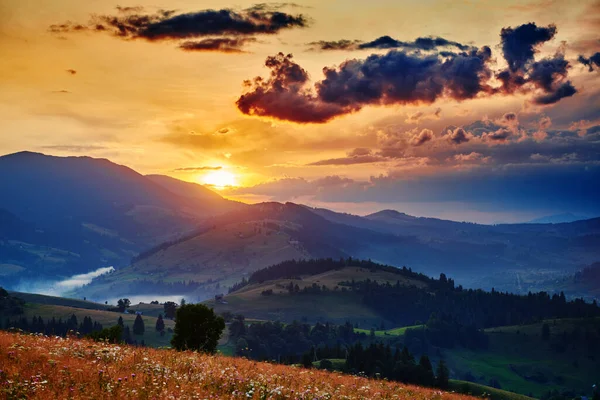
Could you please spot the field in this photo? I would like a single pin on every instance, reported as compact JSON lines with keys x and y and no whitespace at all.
{"x":485,"y":391}
{"x":50,"y":367}
{"x":388,"y":332}
{"x":59,"y":301}
{"x":107,"y":318}
{"x":521,"y":361}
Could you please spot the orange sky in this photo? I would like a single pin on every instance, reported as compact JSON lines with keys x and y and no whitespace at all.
{"x":158,"y":109}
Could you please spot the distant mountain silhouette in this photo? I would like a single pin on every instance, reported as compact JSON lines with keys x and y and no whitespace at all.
{"x":67,"y":215}
{"x":75,"y":214}
{"x":228,"y":247}
{"x":558,"y":219}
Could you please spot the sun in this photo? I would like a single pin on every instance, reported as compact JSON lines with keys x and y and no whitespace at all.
{"x":219,"y":179}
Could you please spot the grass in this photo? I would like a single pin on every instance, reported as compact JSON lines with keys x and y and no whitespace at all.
{"x":335,"y":306}
{"x":59,"y":301}
{"x":50,"y":367}
{"x":518,"y":353}
{"x":107,"y":318}
{"x":389,"y":332}
{"x":488,"y":392}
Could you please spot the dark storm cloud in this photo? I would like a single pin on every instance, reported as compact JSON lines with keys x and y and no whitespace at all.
{"x":223,"y":45}
{"x":71,"y":71}
{"x":283,"y":95}
{"x":134,"y":23}
{"x":592,"y":62}
{"x":387,"y":42}
{"x":392,"y":78}
{"x":520,"y":44}
{"x":421,"y":43}
{"x":548,"y":77}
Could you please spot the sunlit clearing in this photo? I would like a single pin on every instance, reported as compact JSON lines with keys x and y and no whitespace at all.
{"x":219,"y":179}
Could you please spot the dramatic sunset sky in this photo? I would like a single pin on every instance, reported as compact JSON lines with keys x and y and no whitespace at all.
{"x":471,"y":110}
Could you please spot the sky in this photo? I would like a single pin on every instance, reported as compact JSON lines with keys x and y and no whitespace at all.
{"x":469,"y":110}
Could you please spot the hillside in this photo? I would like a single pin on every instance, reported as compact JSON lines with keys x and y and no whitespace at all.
{"x":233,"y":245}
{"x":521,"y":360}
{"x":336,"y":306}
{"x":368,"y":294}
{"x":515,"y":257}
{"x":62,"y":216}
{"x":103,"y":371}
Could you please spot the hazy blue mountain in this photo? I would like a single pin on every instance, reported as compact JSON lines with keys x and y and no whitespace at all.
{"x":65,"y":215}
{"x":558,"y":218}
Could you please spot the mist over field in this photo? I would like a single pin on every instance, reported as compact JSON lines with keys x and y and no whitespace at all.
{"x":62,"y":287}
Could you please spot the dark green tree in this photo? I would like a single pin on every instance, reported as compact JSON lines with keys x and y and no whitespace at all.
{"x":160,"y":324}
{"x":138,"y":325}
{"x":120,"y":322}
{"x":197,"y":327}
{"x":426,"y":371}
{"x":442,"y":375}
{"x":170,"y":308}
{"x":111,"y":335}
{"x":545,"y":331}
{"x":123,"y":304}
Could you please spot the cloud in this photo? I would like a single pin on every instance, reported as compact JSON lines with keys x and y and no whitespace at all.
{"x":360,"y":151}
{"x":501,"y":135}
{"x":458,"y":136}
{"x":520,"y":44}
{"x":350,"y":160}
{"x":359,"y":155}
{"x":166,"y":25}
{"x":71,"y":71}
{"x":74,"y":148}
{"x":418,"y":116}
{"x":581,"y":126}
{"x":392,"y":78}
{"x":472,"y":157}
{"x":343,"y":44}
{"x":547,"y":77}
{"x":284,"y":96}
{"x":421,"y":43}
{"x":192,"y":169}
{"x":223,"y":45}
{"x":422,"y":137}
{"x":486,"y":187}
{"x":542,"y":126}
{"x":592,"y":62}
{"x":387,"y":42}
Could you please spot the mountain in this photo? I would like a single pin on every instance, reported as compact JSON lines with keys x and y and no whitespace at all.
{"x":226,"y":248}
{"x":70,"y":215}
{"x":558,"y":219}
{"x":204,"y":198}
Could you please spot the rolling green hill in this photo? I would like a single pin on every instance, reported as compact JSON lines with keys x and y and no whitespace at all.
{"x":336,"y":305}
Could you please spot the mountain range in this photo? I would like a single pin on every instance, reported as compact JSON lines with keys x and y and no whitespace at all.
{"x":69,"y":215}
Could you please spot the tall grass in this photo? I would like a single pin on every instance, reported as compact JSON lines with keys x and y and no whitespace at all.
{"x":34,"y":366}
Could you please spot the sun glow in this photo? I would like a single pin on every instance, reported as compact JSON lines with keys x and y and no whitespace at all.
{"x":219,"y":179}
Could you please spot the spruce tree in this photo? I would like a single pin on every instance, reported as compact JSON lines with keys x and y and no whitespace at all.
{"x":138,"y":325}
{"x":160,"y":324}
{"x":443,"y":374}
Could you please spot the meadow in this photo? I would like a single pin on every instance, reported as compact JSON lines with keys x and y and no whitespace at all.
{"x":35,"y":366}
